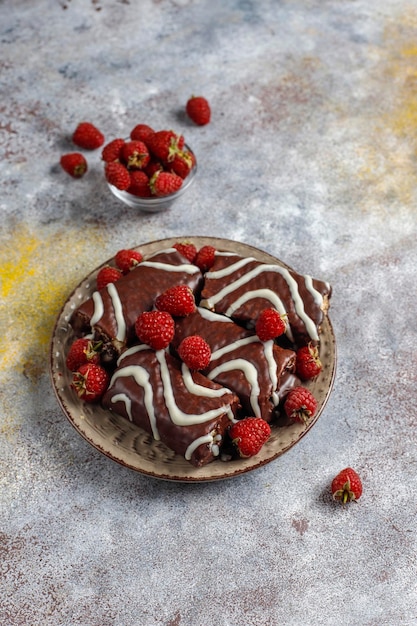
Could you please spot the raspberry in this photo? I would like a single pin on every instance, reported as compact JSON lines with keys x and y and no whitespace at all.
{"x":187,"y":249}
{"x":198,"y":110}
{"x":195,"y":352}
{"x":347,"y":486}
{"x":117,"y":175}
{"x":269,"y":325}
{"x":205,"y":258}
{"x":300,"y":405}
{"x":111,"y":151}
{"x":127,"y":260}
{"x":249,"y":435}
{"x":164,"y":183}
{"x":155,"y":328}
{"x":139,"y":184}
{"x":107,"y":275}
{"x":308,"y":363}
{"x":82,"y":351}
{"x":135,"y":155}
{"x":164,"y":144}
{"x":74,"y":164}
{"x":87,"y":136}
{"x":152,"y":167}
{"x":141,"y":132}
{"x":182,"y":163}
{"x":178,"y":301}
{"x":90,"y":381}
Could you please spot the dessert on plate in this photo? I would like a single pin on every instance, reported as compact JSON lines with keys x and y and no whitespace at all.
{"x":192,"y":411}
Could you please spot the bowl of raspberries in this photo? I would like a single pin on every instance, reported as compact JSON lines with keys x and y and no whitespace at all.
{"x":150,"y":169}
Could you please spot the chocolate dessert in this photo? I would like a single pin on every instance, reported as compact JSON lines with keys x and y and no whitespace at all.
{"x":183,"y":409}
{"x":240,"y":287}
{"x":111,"y":312}
{"x":258,"y":372}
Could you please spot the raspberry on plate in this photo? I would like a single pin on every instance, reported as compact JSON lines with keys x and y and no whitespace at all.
{"x":127,"y":259}
{"x":198,"y":110}
{"x":308,"y":363}
{"x":195,"y":352}
{"x":347,"y":486}
{"x":270,"y":324}
{"x":178,"y":301}
{"x":90,"y":382}
{"x":205,"y":258}
{"x":155,"y":328}
{"x":107,"y":275}
{"x":83,"y":351}
{"x":187,"y":249}
{"x":249,"y":435}
{"x":74,"y":163}
{"x":300,"y":405}
{"x":88,"y":136}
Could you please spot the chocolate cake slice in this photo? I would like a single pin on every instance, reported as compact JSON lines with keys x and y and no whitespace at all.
{"x":183,"y":409}
{"x":260,"y":373}
{"x":111,"y":312}
{"x":241,"y":287}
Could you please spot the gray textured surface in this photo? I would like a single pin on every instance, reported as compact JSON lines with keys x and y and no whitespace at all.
{"x":311,"y":156}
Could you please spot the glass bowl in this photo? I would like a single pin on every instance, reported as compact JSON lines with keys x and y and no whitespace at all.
{"x":155,"y":204}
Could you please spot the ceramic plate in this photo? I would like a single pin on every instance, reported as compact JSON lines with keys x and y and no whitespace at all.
{"x":132,"y":447}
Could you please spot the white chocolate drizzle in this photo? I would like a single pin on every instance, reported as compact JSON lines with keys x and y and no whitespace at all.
{"x":256,"y":271}
{"x":98,"y":308}
{"x":251,"y":375}
{"x":118,"y":312}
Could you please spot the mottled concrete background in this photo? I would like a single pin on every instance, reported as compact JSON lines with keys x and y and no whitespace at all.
{"x":311,"y":156}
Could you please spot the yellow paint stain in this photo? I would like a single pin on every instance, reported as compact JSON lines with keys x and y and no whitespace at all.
{"x":38,"y":271}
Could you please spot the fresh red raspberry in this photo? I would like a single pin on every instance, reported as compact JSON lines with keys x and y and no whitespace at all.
{"x":74,"y":163}
{"x":117,"y":175}
{"x":141,"y":132}
{"x":135,"y":155}
{"x":182,"y":163}
{"x":308,"y":363}
{"x":127,"y":259}
{"x":152,"y":167}
{"x":88,"y":136}
{"x":107,"y":275}
{"x":164,"y":144}
{"x":269,"y":325}
{"x":347,"y":486}
{"x":249,"y":435}
{"x":300,"y":405}
{"x":178,"y":301}
{"x":164,"y":184}
{"x":155,"y":328}
{"x":111,"y":151}
{"x":139,"y":184}
{"x":205,"y":258}
{"x":90,"y":381}
{"x":83,"y":351}
{"x":195,"y":352}
{"x":187,"y":249}
{"x":198,"y":110}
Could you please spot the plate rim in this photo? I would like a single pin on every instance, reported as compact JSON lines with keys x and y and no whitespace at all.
{"x":190,"y":474}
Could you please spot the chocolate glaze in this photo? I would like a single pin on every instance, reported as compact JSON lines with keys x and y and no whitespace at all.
{"x":164,"y":372}
{"x":248,"y":356}
{"x":266,"y":282}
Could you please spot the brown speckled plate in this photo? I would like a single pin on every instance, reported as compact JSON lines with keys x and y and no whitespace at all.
{"x":129,"y":445}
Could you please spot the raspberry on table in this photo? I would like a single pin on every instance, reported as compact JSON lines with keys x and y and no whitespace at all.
{"x":347,"y":486}
{"x":198,"y":110}
{"x":74,"y":163}
{"x":88,"y":136}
